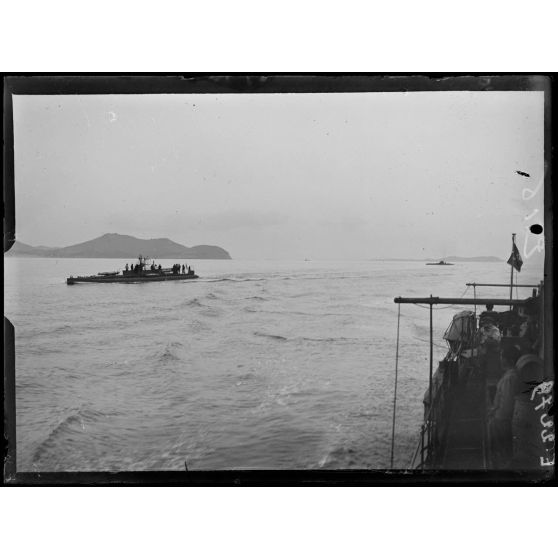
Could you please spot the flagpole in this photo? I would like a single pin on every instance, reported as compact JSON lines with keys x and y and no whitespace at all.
{"x":511,"y":276}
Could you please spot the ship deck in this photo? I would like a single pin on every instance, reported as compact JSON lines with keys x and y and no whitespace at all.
{"x":465,"y":446}
{"x":130,"y":278}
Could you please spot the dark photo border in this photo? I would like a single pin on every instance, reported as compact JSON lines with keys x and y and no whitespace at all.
{"x":222,"y":83}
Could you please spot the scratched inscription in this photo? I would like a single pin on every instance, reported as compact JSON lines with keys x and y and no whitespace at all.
{"x":543,"y":398}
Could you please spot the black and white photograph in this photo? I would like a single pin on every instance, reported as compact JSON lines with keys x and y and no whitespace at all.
{"x":272,"y":274}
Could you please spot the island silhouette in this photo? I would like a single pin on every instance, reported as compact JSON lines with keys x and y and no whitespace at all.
{"x":113,"y":245}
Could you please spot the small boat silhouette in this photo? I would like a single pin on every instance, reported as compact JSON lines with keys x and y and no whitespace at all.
{"x":441,"y":262}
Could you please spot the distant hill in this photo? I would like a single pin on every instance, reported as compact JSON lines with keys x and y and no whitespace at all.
{"x":114,"y":245}
{"x":21,"y":249}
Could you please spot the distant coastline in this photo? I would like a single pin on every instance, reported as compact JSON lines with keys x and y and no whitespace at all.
{"x":448,"y":259}
{"x":113,"y":245}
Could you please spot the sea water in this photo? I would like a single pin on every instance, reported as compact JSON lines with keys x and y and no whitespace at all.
{"x":256,"y":365}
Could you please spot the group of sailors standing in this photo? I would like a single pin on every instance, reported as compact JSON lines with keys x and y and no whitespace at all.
{"x":177,"y":269}
{"x":514,"y":368}
{"x":186,"y":270}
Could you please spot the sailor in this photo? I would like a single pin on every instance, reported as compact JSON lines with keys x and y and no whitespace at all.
{"x":489,"y":355}
{"x":489,"y":315}
{"x":501,"y":412}
{"x":127,"y":267}
{"x":183,"y":269}
{"x":160,"y":268}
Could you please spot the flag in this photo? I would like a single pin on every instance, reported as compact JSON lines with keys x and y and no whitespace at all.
{"x":515,"y":258}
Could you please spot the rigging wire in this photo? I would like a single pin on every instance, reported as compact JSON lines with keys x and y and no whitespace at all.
{"x":428,"y":307}
{"x":395,"y":386}
{"x":427,"y":341}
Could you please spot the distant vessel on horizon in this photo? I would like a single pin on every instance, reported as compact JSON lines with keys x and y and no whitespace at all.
{"x":441,"y":262}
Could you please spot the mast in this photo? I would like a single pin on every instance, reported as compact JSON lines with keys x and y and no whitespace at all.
{"x":511,"y":273}
{"x":430,"y":400}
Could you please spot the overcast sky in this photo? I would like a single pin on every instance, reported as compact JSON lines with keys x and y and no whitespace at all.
{"x":320,"y":176}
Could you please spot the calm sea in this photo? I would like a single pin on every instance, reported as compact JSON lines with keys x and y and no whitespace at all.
{"x":256,"y":365}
